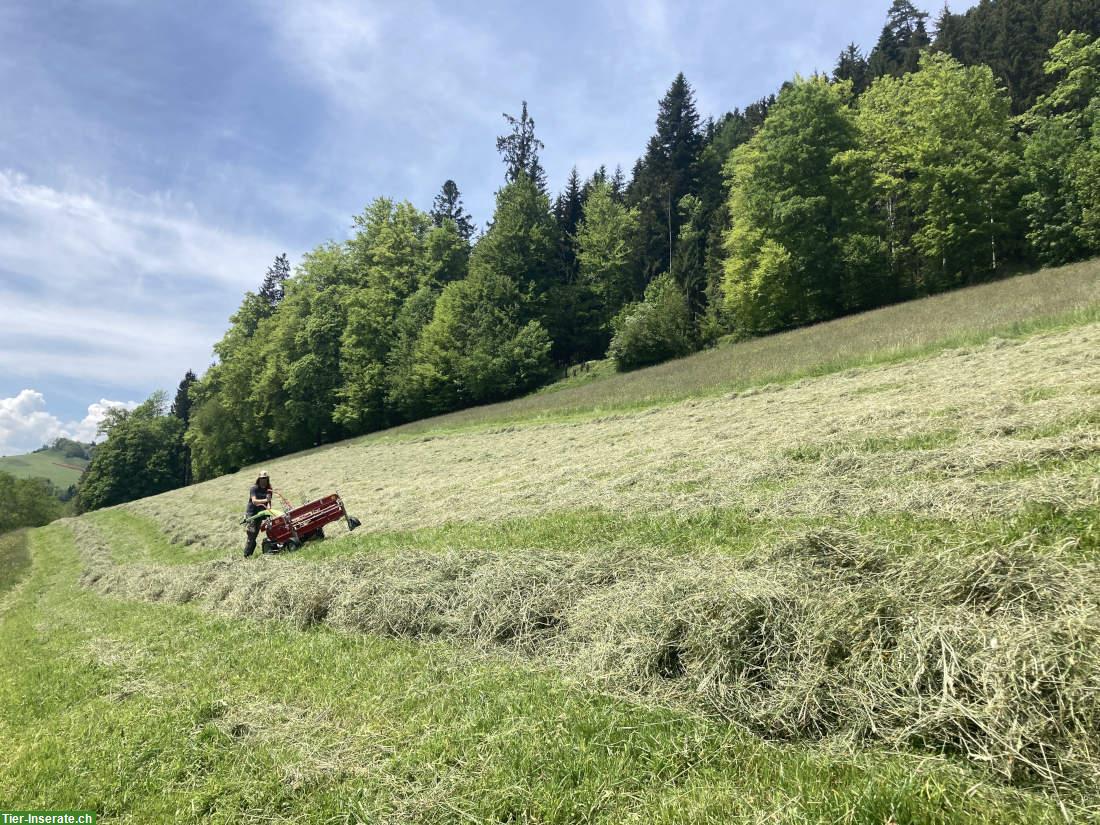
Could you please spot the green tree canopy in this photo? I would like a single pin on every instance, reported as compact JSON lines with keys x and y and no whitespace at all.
{"x":655,"y":329}
{"x":1062,"y":155}
{"x":477,"y":348}
{"x":664,"y":175}
{"x":142,"y":456}
{"x":939,"y":142}
{"x":28,"y":502}
{"x":802,"y":246}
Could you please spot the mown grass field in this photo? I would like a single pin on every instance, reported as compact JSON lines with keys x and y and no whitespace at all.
{"x":60,"y":470}
{"x":870,"y":595}
{"x":1009,"y":308}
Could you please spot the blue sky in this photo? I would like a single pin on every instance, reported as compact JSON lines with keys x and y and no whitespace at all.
{"x":156,"y":156}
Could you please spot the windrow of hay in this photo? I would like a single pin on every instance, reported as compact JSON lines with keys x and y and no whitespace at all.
{"x":990,"y":652}
{"x":968,"y":434}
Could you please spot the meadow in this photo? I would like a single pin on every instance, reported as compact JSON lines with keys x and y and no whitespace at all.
{"x":53,"y":465}
{"x":847,"y":574}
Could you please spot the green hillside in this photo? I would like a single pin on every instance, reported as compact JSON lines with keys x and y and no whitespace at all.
{"x":54,"y":465}
{"x":1008,"y":308}
{"x":847,"y":574}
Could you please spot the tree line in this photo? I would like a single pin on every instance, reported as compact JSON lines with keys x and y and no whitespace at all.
{"x":937,"y":160}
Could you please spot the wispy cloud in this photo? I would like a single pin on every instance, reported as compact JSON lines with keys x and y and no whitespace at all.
{"x":118,"y":288}
{"x":81,"y":236}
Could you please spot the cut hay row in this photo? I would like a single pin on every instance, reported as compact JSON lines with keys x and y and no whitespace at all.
{"x":969,"y":434}
{"x":989,"y":652}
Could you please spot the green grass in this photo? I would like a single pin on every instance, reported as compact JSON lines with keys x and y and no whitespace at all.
{"x":134,"y":538}
{"x":53,"y":465}
{"x":153,"y":713}
{"x":1024,"y":305}
{"x":1071,"y":531}
{"x":15,"y":560}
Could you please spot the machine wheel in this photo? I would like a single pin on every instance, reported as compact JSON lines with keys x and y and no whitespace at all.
{"x":317,"y":535}
{"x":293,"y":544}
{"x":269,"y":546}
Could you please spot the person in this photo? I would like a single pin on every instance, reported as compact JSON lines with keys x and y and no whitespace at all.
{"x":259,"y":499}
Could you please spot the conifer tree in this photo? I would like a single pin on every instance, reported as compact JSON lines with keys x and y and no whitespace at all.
{"x":903,"y":38}
{"x":665,"y":174}
{"x":448,"y":206}
{"x":181,"y":409}
{"x":520,"y":149}
{"x":271,"y":290}
{"x":852,"y":66}
{"x":951,"y":35}
{"x":618,"y":184}
{"x":569,"y":205}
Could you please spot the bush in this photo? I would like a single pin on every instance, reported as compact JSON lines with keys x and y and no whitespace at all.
{"x":28,"y":502}
{"x":654,"y":330}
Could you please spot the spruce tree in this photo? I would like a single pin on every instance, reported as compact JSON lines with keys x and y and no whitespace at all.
{"x":951,"y":35}
{"x":852,"y":66}
{"x":448,"y":206}
{"x":181,"y":406}
{"x":570,"y":204}
{"x":598,"y":177}
{"x":665,"y":174}
{"x":272,"y":289}
{"x":181,"y":409}
{"x":520,"y":149}
{"x":618,"y":184}
{"x":903,"y":38}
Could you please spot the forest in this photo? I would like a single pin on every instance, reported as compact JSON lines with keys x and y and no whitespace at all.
{"x":954,"y":152}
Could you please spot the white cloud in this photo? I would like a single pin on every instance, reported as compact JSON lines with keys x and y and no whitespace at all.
{"x":25,"y":423}
{"x":87,"y":429}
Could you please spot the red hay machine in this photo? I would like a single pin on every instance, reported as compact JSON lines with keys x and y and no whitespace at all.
{"x":292,"y":529}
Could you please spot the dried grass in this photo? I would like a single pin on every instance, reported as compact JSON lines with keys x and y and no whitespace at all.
{"x":989,"y":652}
{"x":313,"y":745}
{"x":963,"y":435}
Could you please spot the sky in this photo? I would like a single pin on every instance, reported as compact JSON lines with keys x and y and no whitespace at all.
{"x":156,"y":156}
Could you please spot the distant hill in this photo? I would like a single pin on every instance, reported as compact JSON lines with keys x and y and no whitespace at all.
{"x":60,"y":462}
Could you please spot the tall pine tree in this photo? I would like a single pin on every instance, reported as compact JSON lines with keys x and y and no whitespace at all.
{"x":271,"y":290}
{"x":569,"y":205}
{"x":520,"y":149}
{"x":181,"y":409}
{"x":447,"y":206}
{"x":664,"y":175}
{"x":852,"y":66}
{"x":899,"y":46}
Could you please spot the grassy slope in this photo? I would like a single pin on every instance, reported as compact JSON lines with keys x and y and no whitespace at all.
{"x":150,"y":712}
{"x":1006,"y":308}
{"x":995,"y":444}
{"x":61,"y":470}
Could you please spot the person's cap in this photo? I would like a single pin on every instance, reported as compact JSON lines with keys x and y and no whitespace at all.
{"x":263,"y":474}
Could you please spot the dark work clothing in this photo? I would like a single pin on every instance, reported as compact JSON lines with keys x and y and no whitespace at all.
{"x":252,"y":531}
{"x":256,"y":492}
{"x":253,"y":528}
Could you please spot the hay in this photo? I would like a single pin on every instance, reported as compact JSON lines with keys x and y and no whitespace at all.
{"x":969,"y":434}
{"x":989,"y":652}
